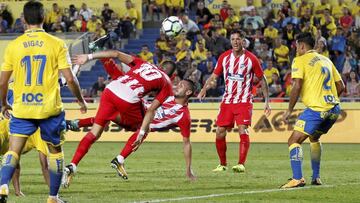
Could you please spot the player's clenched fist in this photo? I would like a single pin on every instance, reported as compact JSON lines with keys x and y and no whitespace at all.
{"x":83,"y":107}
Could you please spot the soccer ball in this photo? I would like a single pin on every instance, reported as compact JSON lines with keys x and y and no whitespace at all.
{"x":172,"y":26}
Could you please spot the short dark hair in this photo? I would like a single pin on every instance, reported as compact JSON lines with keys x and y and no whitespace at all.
{"x":173,"y":67}
{"x":145,"y":45}
{"x":34,"y":13}
{"x":306,"y":38}
{"x":242,"y":34}
{"x":192,"y":86}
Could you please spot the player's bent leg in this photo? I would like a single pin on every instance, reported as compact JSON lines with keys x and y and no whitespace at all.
{"x":221,"y":148}
{"x":315,"y":152}
{"x":296,"y":158}
{"x":243,"y":149}
{"x":9,"y":163}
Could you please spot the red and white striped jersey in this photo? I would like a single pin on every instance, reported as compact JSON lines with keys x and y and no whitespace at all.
{"x":238,"y":75}
{"x":142,"y":78}
{"x":171,"y":114}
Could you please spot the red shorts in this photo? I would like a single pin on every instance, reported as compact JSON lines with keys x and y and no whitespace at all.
{"x":131,"y":114}
{"x":229,"y":113}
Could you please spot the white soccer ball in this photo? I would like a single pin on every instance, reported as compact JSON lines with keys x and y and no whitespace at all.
{"x":172,"y":26}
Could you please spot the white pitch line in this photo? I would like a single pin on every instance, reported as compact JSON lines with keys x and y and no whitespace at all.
{"x":242,"y":193}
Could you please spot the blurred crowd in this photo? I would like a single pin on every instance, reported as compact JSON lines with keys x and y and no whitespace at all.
{"x":270,"y":35}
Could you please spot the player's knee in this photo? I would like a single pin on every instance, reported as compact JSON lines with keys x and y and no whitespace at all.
{"x":243,"y":129}
{"x":220,"y":132}
{"x":54,"y":149}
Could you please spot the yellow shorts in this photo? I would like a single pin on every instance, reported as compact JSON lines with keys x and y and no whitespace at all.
{"x":35,"y":142}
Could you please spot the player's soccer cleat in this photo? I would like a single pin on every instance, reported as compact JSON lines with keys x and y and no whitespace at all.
{"x":4,"y":192}
{"x":120,"y":169}
{"x":72,"y":125}
{"x":238,"y":168}
{"x":220,"y":168}
{"x":316,"y":181}
{"x":55,"y":200}
{"x":99,"y":44}
{"x":69,"y":173}
{"x":294,"y":183}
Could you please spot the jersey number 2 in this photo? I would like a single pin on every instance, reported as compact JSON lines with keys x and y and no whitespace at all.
{"x":26,"y":62}
{"x":326,"y":72}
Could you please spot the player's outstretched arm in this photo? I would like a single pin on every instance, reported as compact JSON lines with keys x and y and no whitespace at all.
{"x":294,"y":96}
{"x":207,"y":86}
{"x":265,"y":91}
{"x":188,"y":157}
{"x":145,"y":126}
{"x":4,"y":85}
{"x":73,"y":85}
{"x":83,"y":58}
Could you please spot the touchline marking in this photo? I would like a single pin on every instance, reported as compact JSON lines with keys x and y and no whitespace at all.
{"x":242,"y":193}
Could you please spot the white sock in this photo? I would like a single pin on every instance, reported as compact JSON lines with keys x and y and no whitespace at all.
{"x":53,"y":197}
{"x":120,"y":159}
{"x":74,"y":167}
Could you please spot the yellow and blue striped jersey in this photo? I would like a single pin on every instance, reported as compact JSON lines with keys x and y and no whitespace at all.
{"x":35,"y":59}
{"x":319,"y":75}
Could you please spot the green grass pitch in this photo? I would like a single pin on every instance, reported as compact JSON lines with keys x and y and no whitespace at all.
{"x":156,"y":172}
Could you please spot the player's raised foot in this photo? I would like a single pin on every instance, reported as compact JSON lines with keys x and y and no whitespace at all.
{"x":119,"y":167}
{"x":72,"y":125}
{"x":294,"y":183}
{"x":4,"y":192}
{"x":55,"y":200}
{"x":99,"y":44}
{"x":220,"y":168}
{"x":69,"y":173}
{"x":316,"y":181}
{"x":240,"y":168}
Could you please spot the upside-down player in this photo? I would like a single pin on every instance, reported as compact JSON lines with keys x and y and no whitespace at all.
{"x":34,"y":60}
{"x":319,"y":84}
{"x":121,"y":100}
{"x":239,"y":67}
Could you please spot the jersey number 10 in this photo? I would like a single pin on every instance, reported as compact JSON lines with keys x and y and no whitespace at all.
{"x":26,"y":62}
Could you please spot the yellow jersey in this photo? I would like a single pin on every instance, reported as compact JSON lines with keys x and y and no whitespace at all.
{"x":282,"y":50}
{"x":272,"y":34}
{"x":35,"y":59}
{"x":269,"y":72}
{"x":319,"y":75}
{"x":91,"y":25}
{"x":147,"y":57}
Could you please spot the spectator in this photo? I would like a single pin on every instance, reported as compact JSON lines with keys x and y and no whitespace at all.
{"x":203,"y":14}
{"x":106,"y":12}
{"x":145,"y":54}
{"x":54,"y":15}
{"x":183,"y":65}
{"x":308,"y":18}
{"x":85,"y":12}
{"x":281,"y":53}
{"x":270,"y":70}
{"x":275,"y":86}
{"x":246,"y":10}
{"x":270,"y":33}
{"x":216,"y":43}
{"x":309,"y":28}
{"x":113,"y":28}
{"x":338,"y":45}
{"x":182,"y":47}
{"x":162,"y":46}
{"x":265,"y":11}
{"x":157,"y":6}
{"x":224,"y":10}
{"x":286,"y":7}
{"x":98,"y":86}
{"x":199,"y":54}
{"x":175,"y":6}
{"x":327,"y":23}
{"x":264,"y":52}
{"x":280,"y":17}
{"x":7,"y":15}
{"x":3,"y":25}
{"x":189,"y":26}
{"x":353,"y":85}
{"x":337,"y":9}
{"x":321,"y":47}
{"x":357,"y":19}
{"x":193,"y":73}
{"x":231,"y":19}
{"x":289,"y":34}
{"x":92,"y":23}
{"x":19,"y":25}
{"x":291,"y":19}
{"x":257,"y":39}
{"x":304,"y":7}
{"x":80,"y":23}
{"x":73,"y":13}
{"x":356,"y":9}
{"x":129,"y":19}
{"x":58,"y":26}
{"x":254,"y":20}
{"x":214,"y":90}
{"x":346,"y":21}
{"x":320,"y":9}
{"x":99,"y":32}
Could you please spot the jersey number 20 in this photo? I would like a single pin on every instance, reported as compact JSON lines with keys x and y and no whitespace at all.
{"x":26,"y":62}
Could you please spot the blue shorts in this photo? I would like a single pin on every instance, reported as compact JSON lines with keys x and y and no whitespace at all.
{"x":52,"y":129}
{"x":316,"y":123}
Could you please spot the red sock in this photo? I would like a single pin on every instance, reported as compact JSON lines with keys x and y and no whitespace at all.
{"x":86,"y":122}
{"x":83,"y":147}
{"x":243,"y":148}
{"x":221,"y":150}
{"x":128,"y":149}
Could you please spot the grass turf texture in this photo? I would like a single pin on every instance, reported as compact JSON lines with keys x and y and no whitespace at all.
{"x":156,"y":171}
